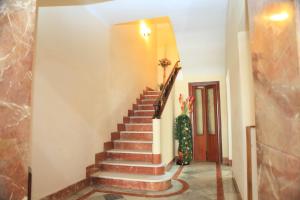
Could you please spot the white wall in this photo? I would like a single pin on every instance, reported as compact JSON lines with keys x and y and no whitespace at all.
{"x":83,"y":85}
{"x":241,"y":91}
{"x":166,"y":130}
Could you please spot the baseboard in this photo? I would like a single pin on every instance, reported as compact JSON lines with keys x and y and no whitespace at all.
{"x":227,"y":161}
{"x":66,"y":192}
{"x":170,"y":164}
{"x":236,"y":188}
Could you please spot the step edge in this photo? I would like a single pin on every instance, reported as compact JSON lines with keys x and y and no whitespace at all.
{"x":129,"y":151}
{"x":133,"y":141}
{"x":145,"y":178}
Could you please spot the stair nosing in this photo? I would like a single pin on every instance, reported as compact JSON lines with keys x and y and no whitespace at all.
{"x":134,"y":141}
{"x":138,"y":124}
{"x":129,"y":151}
{"x":146,"y":117}
{"x":133,"y":164}
{"x":144,"y":110}
{"x":133,"y":177}
{"x":137,"y":132}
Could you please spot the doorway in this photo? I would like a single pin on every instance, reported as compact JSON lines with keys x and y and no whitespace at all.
{"x":206,"y":120}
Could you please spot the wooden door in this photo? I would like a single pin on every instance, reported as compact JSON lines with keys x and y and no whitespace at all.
{"x":206,"y":122}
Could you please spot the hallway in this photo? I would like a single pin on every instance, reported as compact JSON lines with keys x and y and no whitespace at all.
{"x":198,"y":181}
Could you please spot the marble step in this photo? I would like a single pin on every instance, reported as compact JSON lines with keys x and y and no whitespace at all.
{"x":148,"y":96}
{"x":136,"y":135}
{"x":133,"y":144}
{"x":133,"y":167}
{"x":133,"y":181}
{"x":130,"y":155}
{"x":146,"y":101}
{"x":138,"y":127}
{"x":145,"y":107}
{"x":143,"y":112}
{"x":152,"y":93}
{"x":140,"y":119}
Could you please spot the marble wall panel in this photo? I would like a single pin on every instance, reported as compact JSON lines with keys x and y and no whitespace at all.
{"x":17,"y":23}
{"x":274,"y":46}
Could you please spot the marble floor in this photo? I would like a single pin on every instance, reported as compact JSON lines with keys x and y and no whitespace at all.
{"x":198,"y":181}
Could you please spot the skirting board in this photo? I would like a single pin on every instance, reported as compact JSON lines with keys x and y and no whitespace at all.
{"x":236,"y":188}
{"x":66,"y":192}
{"x":227,"y":161}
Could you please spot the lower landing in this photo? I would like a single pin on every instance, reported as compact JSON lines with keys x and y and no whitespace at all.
{"x":200,"y":180}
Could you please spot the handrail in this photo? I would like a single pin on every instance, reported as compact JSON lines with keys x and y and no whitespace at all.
{"x":161,"y":101}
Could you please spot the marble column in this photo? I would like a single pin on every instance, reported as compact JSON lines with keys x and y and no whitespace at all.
{"x":274,"y":45}
{"x":17,"y":23}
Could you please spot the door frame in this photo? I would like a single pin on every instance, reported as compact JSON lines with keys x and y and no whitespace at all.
{"x":218,"y":114}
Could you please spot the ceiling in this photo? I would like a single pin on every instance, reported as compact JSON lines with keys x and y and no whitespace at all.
{"x":199,"y":25}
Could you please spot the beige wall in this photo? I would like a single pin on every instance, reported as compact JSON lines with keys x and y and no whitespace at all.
{"x":166,"y":48}
{"x":83,"y":85}
{"x":241,"y":91}
{"x":182,"y":88}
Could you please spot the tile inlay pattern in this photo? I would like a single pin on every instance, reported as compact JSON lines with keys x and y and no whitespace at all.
{"x":274,"y":29}
{"x":17,"y":23}
{"x":200,"y":180}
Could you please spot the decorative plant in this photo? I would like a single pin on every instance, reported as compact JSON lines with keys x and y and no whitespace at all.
{"x":184,"y":131}
{"x":164,"y":63}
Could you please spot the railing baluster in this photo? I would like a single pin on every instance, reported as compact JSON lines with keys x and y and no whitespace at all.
{"x":163,"y":97}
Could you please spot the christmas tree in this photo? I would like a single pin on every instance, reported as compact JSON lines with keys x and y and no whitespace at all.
{"x":184,"y":132}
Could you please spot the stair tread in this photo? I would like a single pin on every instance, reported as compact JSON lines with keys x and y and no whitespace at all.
{"x":134,"y":132}
{"x":146,"y":117}
{"x":133,"y":177}
{"x":134,"y":141}
{"x":143,"y":110}
{"x":138,"y":124}
{"x":131,"y":163}
{"x":133,"y":151}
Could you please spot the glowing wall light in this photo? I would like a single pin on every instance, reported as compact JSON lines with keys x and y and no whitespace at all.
{"x":144,"y":29}
{"x":277,"y":17}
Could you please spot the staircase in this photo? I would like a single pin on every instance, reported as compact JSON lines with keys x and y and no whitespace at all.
{"x":130,"y":163}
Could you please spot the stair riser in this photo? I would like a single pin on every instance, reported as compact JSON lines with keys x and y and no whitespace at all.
{"x":152,"y":97}
{"x":137,"y":136}
{"x":140,"y":120}
{"x":151,"y":93}
{"x":130,"y":157}
{"x":141,"y":102}
{"x":135,"y":146}
{"x":133,"y":169}
{"x":141,"y":107}
{"x":138,"y":127}
{"x":144,"y":113}
{"x":137,"y":185}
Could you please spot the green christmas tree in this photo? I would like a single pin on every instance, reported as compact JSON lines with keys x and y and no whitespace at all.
{"x":184,"y":132}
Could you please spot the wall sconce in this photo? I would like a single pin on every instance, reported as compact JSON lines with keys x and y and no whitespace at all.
{"x":279,"y":16}
{"x":144,"y":29}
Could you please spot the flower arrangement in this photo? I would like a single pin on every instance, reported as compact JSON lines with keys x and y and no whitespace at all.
{"x":187,"y":105}
{"x":164,"y":62}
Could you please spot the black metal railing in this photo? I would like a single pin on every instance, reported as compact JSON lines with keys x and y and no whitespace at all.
{"x":161,"y":101}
